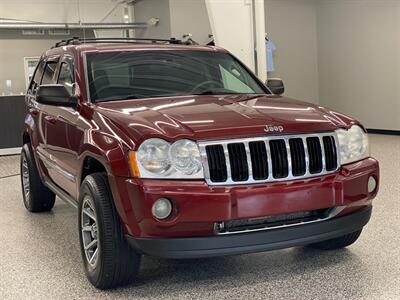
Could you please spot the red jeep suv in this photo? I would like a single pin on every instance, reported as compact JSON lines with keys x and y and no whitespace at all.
{"x":179,"y":151}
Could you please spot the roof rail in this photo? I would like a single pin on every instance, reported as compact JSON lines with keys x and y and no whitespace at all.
{"x":79,"y":41}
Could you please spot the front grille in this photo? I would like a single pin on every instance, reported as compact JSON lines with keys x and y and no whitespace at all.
{"x":237,"y":226}
{"x":238,"y":161}
{"x":216,"y":163}
{"x":315,"y":154}
{"x":279,"y":159}
{"x":256,"y":160}
{"x":298,"y":157}
{"x":330,"y":153}
{"x":259,"y":161}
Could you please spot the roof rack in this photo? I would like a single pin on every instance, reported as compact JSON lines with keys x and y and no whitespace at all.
{"x":79,"y":41}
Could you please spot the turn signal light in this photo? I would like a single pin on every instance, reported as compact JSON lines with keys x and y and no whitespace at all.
{"x":133,"y":164}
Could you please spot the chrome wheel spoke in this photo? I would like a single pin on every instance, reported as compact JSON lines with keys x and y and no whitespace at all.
{"x":25,"y":178}
{"x":90,"y":239}
{"x":91,"y":245}
{"x":87,"y":211}
{"x":94,"y":256}
{"x":87,"y":228}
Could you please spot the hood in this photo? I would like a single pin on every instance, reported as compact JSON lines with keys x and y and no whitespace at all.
{"x":216,"y":117}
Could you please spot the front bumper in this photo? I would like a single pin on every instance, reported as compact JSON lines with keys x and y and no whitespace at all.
{"x":197,"y":206}
{"x":273,"y":239}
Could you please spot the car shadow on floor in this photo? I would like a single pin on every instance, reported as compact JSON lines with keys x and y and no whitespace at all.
{"x":237,"y":271}
{"x":170,"y":276}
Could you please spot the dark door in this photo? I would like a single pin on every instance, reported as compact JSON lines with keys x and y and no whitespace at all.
{"x":36,"y":116}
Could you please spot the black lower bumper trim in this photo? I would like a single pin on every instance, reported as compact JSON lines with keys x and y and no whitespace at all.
{"x":196,"y":247}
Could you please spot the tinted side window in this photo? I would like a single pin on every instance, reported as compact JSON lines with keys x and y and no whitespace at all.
{"x":37,"y":78}
{"x":66,"y":77}
{"x":49,"y":72}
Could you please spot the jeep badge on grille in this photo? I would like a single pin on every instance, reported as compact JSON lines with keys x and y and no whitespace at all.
{"x":269,"y":128}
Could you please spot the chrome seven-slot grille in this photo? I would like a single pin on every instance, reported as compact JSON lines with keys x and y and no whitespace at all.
{"x":267,"y":159}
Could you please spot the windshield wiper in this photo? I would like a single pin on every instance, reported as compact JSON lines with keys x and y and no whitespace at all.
{"x":119,"y":98}
{"x":209,"y":92}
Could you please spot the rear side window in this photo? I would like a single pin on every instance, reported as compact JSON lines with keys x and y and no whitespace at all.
{"x":37,"y":78}
{"x":49,"y":71}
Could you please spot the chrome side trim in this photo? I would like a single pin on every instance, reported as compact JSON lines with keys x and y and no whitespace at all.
{"x":333,"y":213}
{"x":60,"y":193}
{"x":53,"y":165}
{"x":224,"y":143}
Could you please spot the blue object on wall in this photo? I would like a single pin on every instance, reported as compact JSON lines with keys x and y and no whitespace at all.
{"x":270,"y":48}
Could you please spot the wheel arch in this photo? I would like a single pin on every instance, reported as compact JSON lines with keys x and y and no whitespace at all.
{"x":114,"y":163}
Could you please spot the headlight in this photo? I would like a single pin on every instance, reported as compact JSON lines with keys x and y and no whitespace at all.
{"x":353,"y":144}
{"x":185,"y":157}
{"x":157,"y":158}
{"x":153,"y":156}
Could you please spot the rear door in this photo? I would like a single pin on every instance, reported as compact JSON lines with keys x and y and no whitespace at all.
{"x":48,"y":71}
{"x":37,"y":116}
{"x":34,"y":116}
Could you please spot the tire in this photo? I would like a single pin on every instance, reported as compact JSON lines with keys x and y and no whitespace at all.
{"x":338,"y":243}
{"x":115,"y":263}
{"x":37,"y":197}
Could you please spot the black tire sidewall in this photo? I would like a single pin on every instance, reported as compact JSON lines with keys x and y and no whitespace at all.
{"x":40,"y":197}
{"x":92,"y":273}
{"x":117,"y":263}
{"x":24,"y":155}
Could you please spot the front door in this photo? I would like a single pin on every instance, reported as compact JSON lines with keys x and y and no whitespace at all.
{"x":63,"y":137}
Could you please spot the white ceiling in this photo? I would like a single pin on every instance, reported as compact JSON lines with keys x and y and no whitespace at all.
{"x":60,"y":10}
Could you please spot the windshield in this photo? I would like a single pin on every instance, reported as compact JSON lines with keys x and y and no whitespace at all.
{"x":147,"y":74}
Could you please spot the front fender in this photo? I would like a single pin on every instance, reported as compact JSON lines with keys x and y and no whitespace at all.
{"x":113,"y":155}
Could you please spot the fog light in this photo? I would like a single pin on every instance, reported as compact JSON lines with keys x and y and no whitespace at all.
{"x":371,"y":184}
{"x":162,"y":208}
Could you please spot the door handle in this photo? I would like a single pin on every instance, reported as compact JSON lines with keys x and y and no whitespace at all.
{"x":50,"y":119}
{"x":34,"y":111}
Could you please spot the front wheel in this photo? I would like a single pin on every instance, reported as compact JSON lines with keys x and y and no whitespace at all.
{"x":108,"y":260}
{"x":337,"y":243}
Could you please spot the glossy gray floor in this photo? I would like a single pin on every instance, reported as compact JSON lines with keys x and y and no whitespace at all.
{"x":39,"y":257}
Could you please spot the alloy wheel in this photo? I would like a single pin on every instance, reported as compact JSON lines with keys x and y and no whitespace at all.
{"x":25,"y":179}
{"x":90,"y":239}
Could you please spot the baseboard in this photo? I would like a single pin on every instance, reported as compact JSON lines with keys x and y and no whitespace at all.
{"x":10,"y":151}
{"x":383,"y":131}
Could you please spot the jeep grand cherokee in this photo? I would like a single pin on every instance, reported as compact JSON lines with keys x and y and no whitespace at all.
{"x":180,"y":151}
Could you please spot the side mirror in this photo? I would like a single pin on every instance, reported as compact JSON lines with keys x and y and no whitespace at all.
{"x":276,"y":86}
{"x":55,"y":94}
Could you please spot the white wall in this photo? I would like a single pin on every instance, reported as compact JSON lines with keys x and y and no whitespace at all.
{"x":232,"y":26}
{"x":291,"y":25}
{"x":14,"y":46}
{"x":147,"y":9}
{"x":359,"y":59}
{"x":190,"y":16}
{"x":177,"y":17}
{"x":60,"y":10}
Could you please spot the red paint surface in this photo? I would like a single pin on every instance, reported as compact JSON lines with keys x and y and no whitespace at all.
{"x":107,"y":131}
{"x":198,"y":205}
